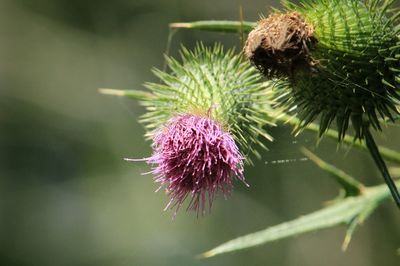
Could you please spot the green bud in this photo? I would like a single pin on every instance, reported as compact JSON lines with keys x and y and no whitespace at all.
{"x":342,"y":60}
{"x":215,"y":83}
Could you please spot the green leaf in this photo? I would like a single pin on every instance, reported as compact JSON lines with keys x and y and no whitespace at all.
{"x":343,"y":212}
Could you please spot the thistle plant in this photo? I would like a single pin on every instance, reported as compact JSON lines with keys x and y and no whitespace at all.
{"x":206,"y":118}
{"x":323,"y":62}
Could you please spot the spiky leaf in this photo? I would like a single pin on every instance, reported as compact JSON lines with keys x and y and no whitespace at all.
{"x":351,"y":211}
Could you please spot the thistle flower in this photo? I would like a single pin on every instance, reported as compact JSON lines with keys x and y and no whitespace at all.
{"x":195,"y":156}
{"x":341,"y":59}
{"x":205,"y":119}
{"x":218,"y":83}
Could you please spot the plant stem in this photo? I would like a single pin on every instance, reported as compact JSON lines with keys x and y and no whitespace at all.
{"x":380,"y":163}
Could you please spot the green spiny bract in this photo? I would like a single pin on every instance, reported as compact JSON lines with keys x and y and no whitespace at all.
{"x":354,"y":71}
{"x":214,"y":83}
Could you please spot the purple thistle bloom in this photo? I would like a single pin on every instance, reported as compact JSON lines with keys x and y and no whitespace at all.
{"x":195,"y":156}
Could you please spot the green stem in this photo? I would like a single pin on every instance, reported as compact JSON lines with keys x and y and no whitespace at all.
{"x":380,"y":163}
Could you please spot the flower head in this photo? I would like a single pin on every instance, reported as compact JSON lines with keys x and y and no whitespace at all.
{"x":203,"y":82}
{"x":225,"y":109}
{"x":195,"y":157}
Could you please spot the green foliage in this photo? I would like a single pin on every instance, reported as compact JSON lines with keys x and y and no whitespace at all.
{"x":350,"y":211}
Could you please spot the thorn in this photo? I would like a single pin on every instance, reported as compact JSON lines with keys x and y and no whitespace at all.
{"x":205,"y":255}
{"x":136,"y":160}
{"x":179,"y":25}
{"x":108,"y":91}
{"x":346,"y":242}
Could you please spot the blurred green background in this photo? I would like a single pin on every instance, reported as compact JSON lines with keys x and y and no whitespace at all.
{"x":68,"y":198}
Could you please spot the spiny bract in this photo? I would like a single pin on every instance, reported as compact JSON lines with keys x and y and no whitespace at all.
{"x":356,"y":71}
{"x":215,"y":83}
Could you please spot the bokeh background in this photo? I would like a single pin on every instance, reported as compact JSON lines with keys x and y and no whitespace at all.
{"x":68,"y":198}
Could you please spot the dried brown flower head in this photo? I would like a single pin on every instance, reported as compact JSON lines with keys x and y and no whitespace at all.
{"x":280,"y":43}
